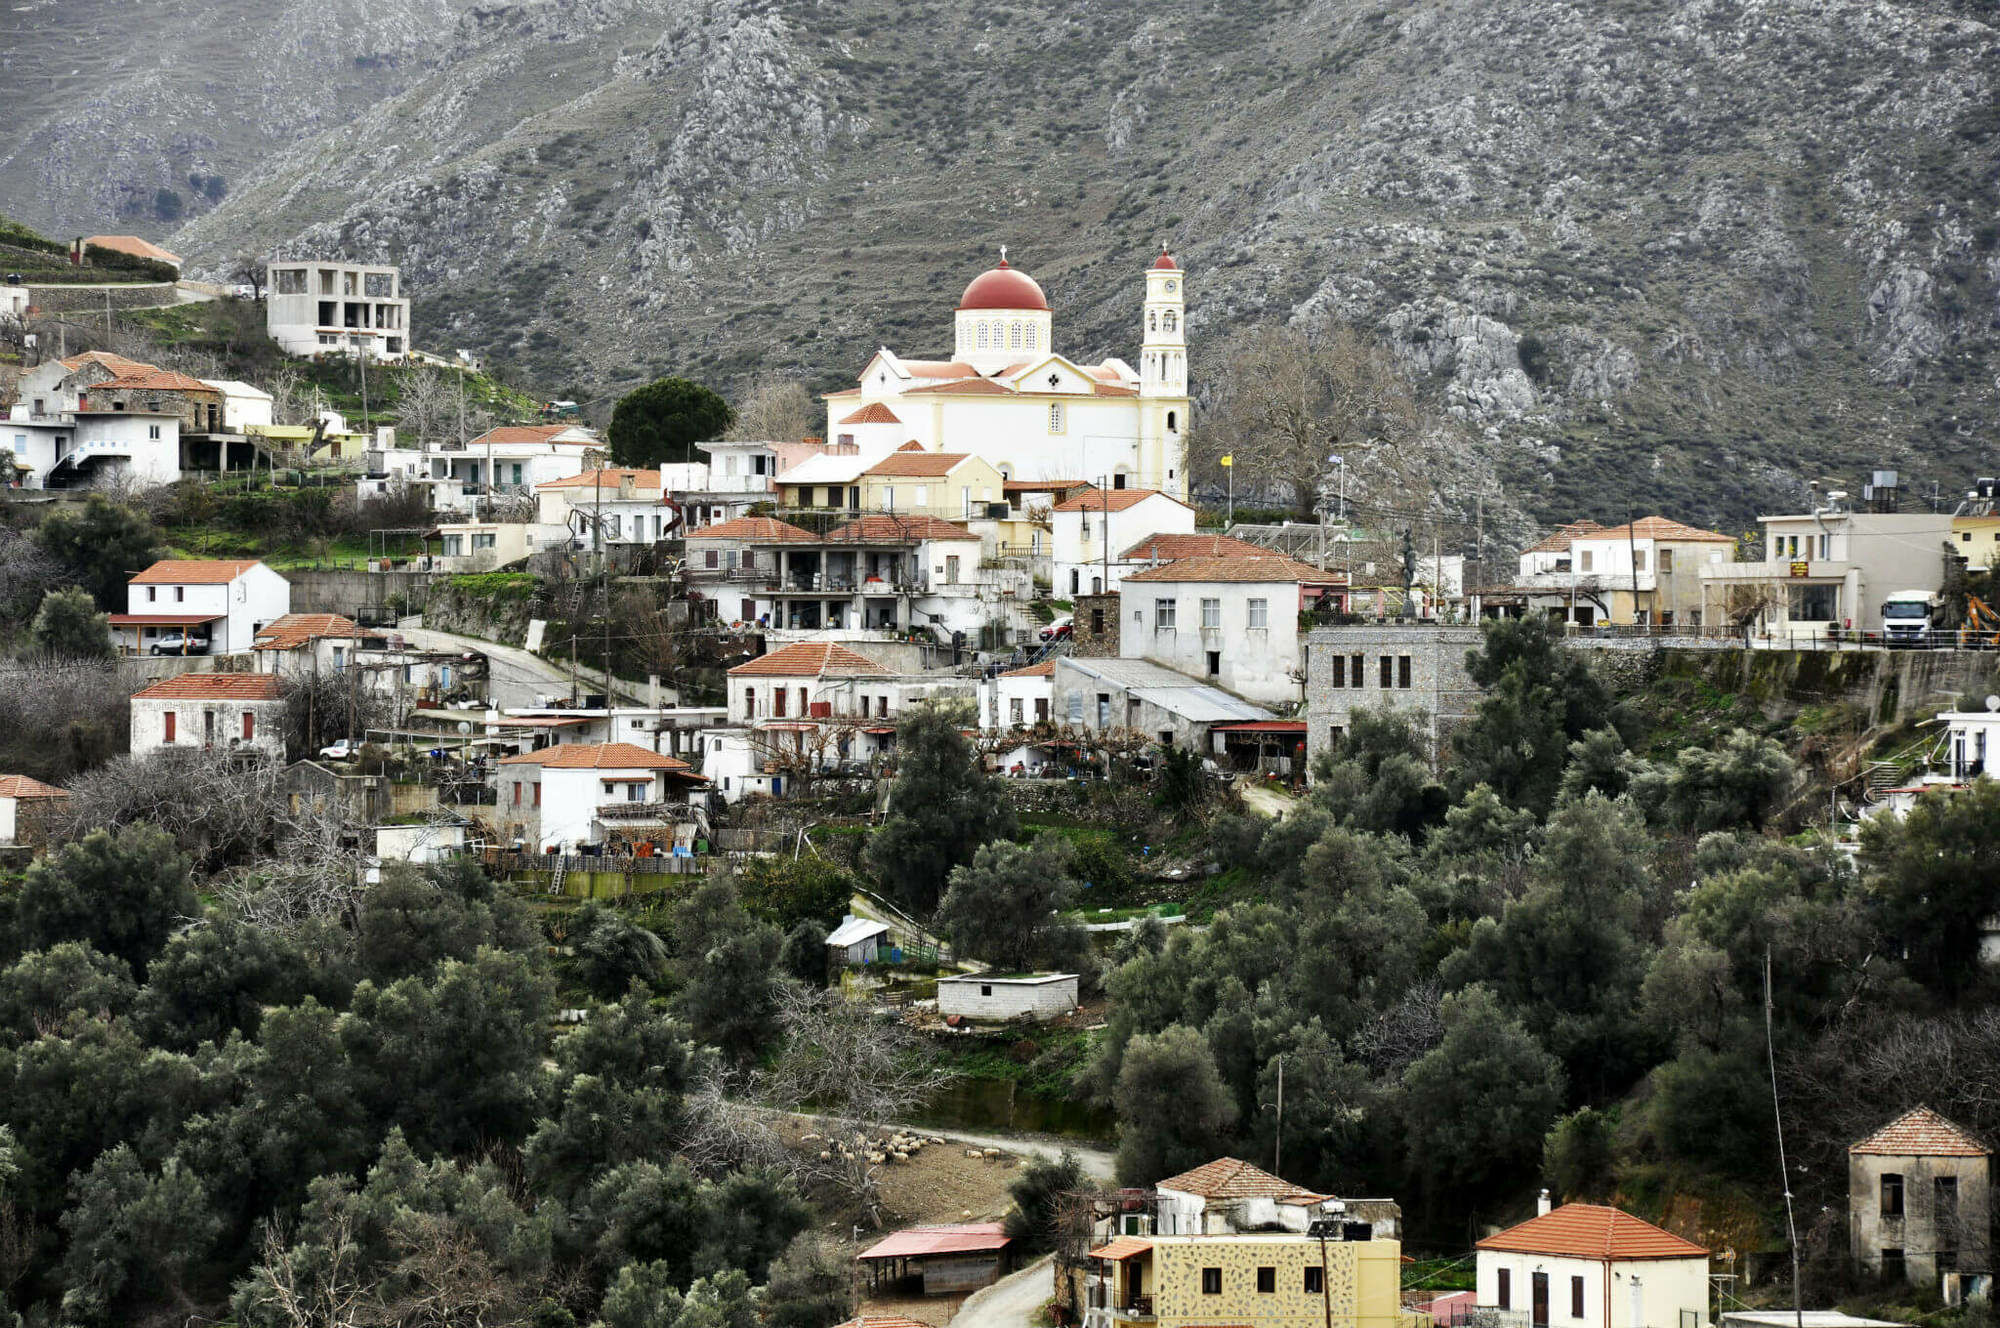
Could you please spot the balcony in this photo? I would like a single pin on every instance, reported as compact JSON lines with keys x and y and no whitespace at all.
{"x":644,"y":813}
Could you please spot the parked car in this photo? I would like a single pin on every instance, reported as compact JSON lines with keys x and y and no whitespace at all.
{"x":1059,"y":630}
{"x":180,"y":643}
{"x":344,"y":750}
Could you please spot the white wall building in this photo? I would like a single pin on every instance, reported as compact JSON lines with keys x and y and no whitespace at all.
{"x":987,"y":998}
{"x":1233,"y":622}
{"x":1081,"y":546}
{"x":1008,"y":396}
{"x":222,"y":602}
{"x":1588,"y":1266}
{"x":1018,"y":698}
{"x":243,"y":406}
{"x":92,"y":449}
{"x":211,"y":712}
{"x":589,"y":793}
{"x":619,"y":507}
{"x":511,"y":460}
{"x":1828,"y":570}
{"x":330,"y":307}
{"x":480,"y":546}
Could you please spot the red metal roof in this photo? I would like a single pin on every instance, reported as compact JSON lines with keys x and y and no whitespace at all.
{"x":1593,"y":1231}
{"x":920,"y":1242}
{"x":1921,"y":1132}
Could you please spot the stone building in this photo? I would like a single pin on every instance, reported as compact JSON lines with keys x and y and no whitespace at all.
{"x":1918,"y":1201}
{"x":1415,"y":666}
{"x":1094,"y":630}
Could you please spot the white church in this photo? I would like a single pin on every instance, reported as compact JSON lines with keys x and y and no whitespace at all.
{"x":1009,"y":397}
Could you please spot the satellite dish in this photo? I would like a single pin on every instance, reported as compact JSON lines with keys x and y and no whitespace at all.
{"x":465,"y":726}
{"x":1993,"y":703}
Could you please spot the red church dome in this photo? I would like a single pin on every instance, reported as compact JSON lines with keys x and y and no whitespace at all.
{"x":1003,"y":287}
{"x":1165,"y":262}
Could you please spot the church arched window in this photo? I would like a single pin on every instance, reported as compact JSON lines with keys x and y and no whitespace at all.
{"x":1170,"y":320}
{"x":1034,"y":337}
{"x":1152,"y":320}
{"x":982,"y":336}
{"x":1171,"y":426}
{"x":1014,"y":336}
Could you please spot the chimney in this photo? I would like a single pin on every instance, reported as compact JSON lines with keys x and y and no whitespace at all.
{"x":1542,"y":1204}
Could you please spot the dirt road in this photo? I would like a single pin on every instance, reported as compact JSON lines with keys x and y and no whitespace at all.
{"x":1012,"y":1301}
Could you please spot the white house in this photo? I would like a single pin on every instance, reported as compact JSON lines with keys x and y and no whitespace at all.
{"x":1828,"y":570}
{"x":595,"y":793}
{"x":1589,"y":1266}
{"x":210,"y":712}
{"x":1231,"y":621}
{"x":993,"y":998}
{"x":24,"y":805}
{"x":508,"y":461}
{"x":243,"y":406}
{"x":629,"y":505}
{"x":480,"y":546}
{"x":305,"y":643}
{"x":1018,"y":698}
{"x":92,"y":448}
{"x":1092,"y":529}
{"x":220,"y":603}
{"x":1007,"y":394}
{"x":330,"y":307}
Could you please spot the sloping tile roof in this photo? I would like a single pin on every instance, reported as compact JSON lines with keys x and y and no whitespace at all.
{"x":1169,"y":548}
{"x":971,"y":387}
{"x":1592,"y":1231}
{"x":1921,"y":1132}
{"x":810,"y":659}
{"x":961,"y":1238}
{"x":212,"y":687}
{"x":918,"y":465}
{"x":301,"y":629}
{"x":1229,"y":1178}
{"x":150,"y":378}
{"x":1557,"y":541}
{"x":194,"y":572}
{"x":162,"y":619}
{"x":528,"y":433}
{"x":613,"y":477}
{"x":753,"y":530}
{"x":939,"y":368}
{"x":1116,"y":500}
{"x":1240,"y":569}
{"x":873,"y":413}
{"x":20,"y":786}
{"x":135,"y":245}
{"x":1122,"y":1248}
{"x":1045,"y":669}
{"x":882,"y":528}
{"x":596,"y":756}
{"x":1661,"y":528}
{"x":115,"y":363}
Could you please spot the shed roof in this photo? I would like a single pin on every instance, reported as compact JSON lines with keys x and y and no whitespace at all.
{"x":21,"y":786}
{"x":856,"y":929}
{"x":1169,"y":689}
{"x":1122,"y":1248}
{"x":959,"y":1238}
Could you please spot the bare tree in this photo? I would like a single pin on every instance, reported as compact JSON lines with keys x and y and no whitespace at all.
{"x":322,"y":1290}
{"x":247,"y":269}
{"x":220,"y":808}
{"x":315,"y":871}
{"x":427,"y":405}
{"x":841,"y":1059}
{"x":291,"y":398}
{"x":779,"y":410}
{"x":26,"y":572}
{"x":61,"y":717}
{"x":1404,"y":1031}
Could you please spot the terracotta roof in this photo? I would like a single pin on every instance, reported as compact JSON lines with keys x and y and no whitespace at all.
{"x":873,"y":413}
{"x":149,"y":378}
{"x":597,"y":756}
{"x":961,"y":1238}
{"x":613,"y":477}
{"x":1240,"y":569}
{"x":1114,"y":390}
{"x":810,"y":659}
{"x":1558,"y":540}
{"x":1592,"y":1231}
{"x":20,"y":786}
{"x":1122,"y":1248}
{"x":115,"y":363}
{"x":134,"y":245}
{"x":1167,"y":548}
{"x":753,"y":529}
{"x":939,"y":369}
{"x":1003,"y":287}
{"x":1921,"y":1132}
{"x":302,"y":629}
{"x":1046,"y":669}
{"x":193,"y":572}
{"x":975,"y":387}
{"x":918,"y":465}
{"x":1115,"y":500}
{"x":1660,"y":528}
{"x":1229,"y":1178}
{"x":1297,"y":726}
{"x":884,"y":528}
{"x":212,"y":687}
{"x":912,"y":446}
{"x":527,"y":433}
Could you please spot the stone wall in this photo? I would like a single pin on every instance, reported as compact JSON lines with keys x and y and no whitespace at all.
{"x":1095,"y":635}
{"x":1425,"y":671}
{"x":358,"y":594}
{"x":61,"y":299}
{"x":1891,"y":685}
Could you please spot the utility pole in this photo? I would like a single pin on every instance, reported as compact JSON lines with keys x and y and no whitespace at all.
{"x":1104,"y":493}
{"x":1632,"y":557}
{"x":1478,"y":551}
{"x":604,"y":582}
{"x":1278,"y":1145}
{"x":361,"y":355}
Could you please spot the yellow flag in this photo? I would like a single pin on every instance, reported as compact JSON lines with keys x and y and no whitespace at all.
{"x":1229,"y":460}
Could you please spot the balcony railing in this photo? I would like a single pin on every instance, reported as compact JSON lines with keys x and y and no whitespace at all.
{"x":663,"y":812}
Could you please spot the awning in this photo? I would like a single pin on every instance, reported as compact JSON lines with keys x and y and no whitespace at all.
{"x":1295,"y":727}
{"x":793,"y":727}
{"x":1125,"y":1247}
{"x":878,"y":732}
{"x":163,"y":619}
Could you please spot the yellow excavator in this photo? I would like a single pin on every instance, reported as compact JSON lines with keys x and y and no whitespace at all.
{"x":1982,"y":623}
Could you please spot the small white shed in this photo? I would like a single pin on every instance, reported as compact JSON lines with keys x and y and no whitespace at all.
{"x":857,"y":941}
{"x":997,"y":997}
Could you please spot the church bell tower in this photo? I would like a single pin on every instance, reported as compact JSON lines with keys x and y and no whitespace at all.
{"x":1163,"y":352}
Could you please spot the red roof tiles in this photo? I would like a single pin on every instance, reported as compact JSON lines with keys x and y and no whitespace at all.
{"x":1046,"y":669}
{"x":810,"y":659}
{"x":1558,"y":540}
{"x":1593,"y":1231}
{"x":302,"y":629}
{"x":753,"y":530}
{"x":194,"y":572}
{"x":597,"y":756}
{"x":873,"y":413}
{"x":148,"y":378}
{"x":1115,"y":500}
{"x":1168,"y":548}
{"x":1122,"y":1248}
{"x":137,"y":246}
{"x":1249,"y":570}
{"x":612,"y":478}
{"x":1921,"y":1132}
{"x":1229,"y":1178}
{"x":212,"y":687}
{"x":529,"y":433}
{"x":918,"y":465}
{"x":882,"y":528}
{"x":1661,"y":528}
{"x":20,"y":786}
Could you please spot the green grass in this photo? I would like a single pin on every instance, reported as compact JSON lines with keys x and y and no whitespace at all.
{"x":494,"y":585}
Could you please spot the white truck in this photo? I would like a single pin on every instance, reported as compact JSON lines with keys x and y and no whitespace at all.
{"x":1909,"y":617}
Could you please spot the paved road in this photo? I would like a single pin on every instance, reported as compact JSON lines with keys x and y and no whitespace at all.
{"x":516,"y":678}
{"x":1012,"y":1301}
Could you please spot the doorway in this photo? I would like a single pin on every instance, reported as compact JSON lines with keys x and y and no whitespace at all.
{"x":1539,"y":1302}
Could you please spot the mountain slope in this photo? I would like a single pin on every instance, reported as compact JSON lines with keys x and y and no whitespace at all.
{"x":1680,"y":255}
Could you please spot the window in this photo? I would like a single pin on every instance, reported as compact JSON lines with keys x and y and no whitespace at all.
{"x":1211,"y":1281}
{"x":1055,"y":417}
{"x":1638,"y":560}
{"x":291,"y":280}
{"x":1014,"y":712}
{"x":152,"y":431}
{"x":1892,"y":1265}
{"x":1163,"y":615}
{"x":1211,"y":613}
{"x":1014,"y":336}
{"x":1097,"y":620}
{"x":749,"y":559}
{"x":985,"y":989}
{"x":1586,"y":560}
{"x":1892,"y":1195}
{"x":486,"y":541}
{"x":180,"y":593}
{"x":1267,"y":1280}
{"x":1505,"y":1292}
{"x":1215,"y":663}
{"x":378,"y":285}
{"x":710,"y":559}
{"x":1354,"y":670}
{"x":1666,"y":562}
{"x":150,"y":595}
{"x":172,"y":723}
{"x":1402,"y":670}
{"x":1034,"y":336}
{"x":749,"y":703}
{"x":1576,"y":1298}
{"x":517,"y":794}
{"x":1314,"y":1282}
{"x":538,"y":795}
{"x":1384,"y":665}
{"x":1815,"y":603}
{"x":1260,"y":614}
{"x":1338,"y":677}
{"x":1945,"y":1210}
{"x":982,"y":336}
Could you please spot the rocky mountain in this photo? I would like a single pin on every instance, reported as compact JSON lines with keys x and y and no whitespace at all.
{"x":1674,"y":254}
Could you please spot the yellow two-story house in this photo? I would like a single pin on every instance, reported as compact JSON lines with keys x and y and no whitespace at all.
{"x":1250,"y":1280}
{"x":952,"y":486}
